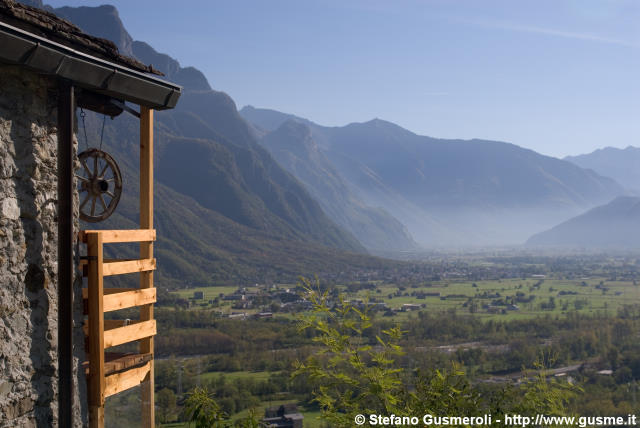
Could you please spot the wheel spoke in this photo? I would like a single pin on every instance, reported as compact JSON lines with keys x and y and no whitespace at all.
{"x":103,"y":170}
{"x":100,"y":173}
{"x":86,"y":199}
{"x":104,"y":204}
{"x":95,"y":166}
{"x":86,"y":168}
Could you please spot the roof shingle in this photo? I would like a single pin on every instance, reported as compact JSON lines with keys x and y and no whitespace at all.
{"x":50,"y":26}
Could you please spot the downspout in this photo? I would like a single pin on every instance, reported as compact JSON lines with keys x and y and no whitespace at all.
{"x":66,"y":114}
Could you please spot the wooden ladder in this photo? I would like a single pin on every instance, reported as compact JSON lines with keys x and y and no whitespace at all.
{"x":110,"y":373}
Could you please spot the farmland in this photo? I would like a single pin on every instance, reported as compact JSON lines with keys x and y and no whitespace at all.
{"x":241,"y":342}
{"x":514,"y":298}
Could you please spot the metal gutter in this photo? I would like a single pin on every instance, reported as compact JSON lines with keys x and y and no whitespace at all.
{"x":86,"y":71}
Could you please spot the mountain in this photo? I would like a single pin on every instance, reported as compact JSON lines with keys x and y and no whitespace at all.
{"x":269,"y":120}
{"x":623,"y":165}
{"x":614,"y":225}
{"x":294,"y":147}
{"x":453,"y":192}
{"x":225,"y":209}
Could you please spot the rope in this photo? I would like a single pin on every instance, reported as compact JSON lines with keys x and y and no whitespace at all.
{"x":104,"y":119}
{"x":84,"y":127}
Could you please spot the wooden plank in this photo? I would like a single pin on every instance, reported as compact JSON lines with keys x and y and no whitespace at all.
{"x":134,"y":331}
{"x":146,"y":252}
{"x":118,"y":361}
{"x":84,"y":265}
{"x":146,"y":168}
{"x":96,"y":328}
{"x":128,"y":266}
{"x":128,"y":299}
{"x":96,"y":416}
{"x":119,"y":382}
{"x":121,"y":236}
{"x":122,"y":298}
{"x":112,"y":324}
{"x":107,"y":291}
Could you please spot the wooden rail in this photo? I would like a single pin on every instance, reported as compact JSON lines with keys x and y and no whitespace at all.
{"x":119,"y":382}
{"x":121,"y":236}
{"x":115,"y":299}
{"x":128,"y":266}
{"x":108,"y":374}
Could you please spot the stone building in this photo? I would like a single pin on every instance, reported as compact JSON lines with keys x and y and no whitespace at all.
{"x":48,"y":68}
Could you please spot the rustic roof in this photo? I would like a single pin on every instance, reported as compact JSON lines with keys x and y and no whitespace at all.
{"x":54,"y":28}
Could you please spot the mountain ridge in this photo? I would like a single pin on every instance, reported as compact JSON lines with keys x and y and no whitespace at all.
{"x":295,"y":148}
{"x":453,"y":192}
{"x":613,"y":225}
{"x":623,"y":165}
{"x":207,"y":155}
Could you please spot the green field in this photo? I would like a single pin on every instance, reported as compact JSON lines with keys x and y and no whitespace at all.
{"x":233,"y":376}
{"x":486,"y":300}
{"x":209,"y":292}
{"x":454,"y":294}
{"x":617,"y":293}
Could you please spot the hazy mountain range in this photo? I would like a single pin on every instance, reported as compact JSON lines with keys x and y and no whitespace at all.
{"x":447,"y":192}
{"x":614,"y":225}
{"x":225,"y":210}
{"x":295,"y":148}
{"x":263,"y":195}
{"x":623,"y":165}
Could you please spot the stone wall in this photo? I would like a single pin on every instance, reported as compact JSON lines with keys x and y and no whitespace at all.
{"x":28,"y":254}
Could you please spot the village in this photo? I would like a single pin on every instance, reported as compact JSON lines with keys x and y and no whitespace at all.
{"x":497,"y":295}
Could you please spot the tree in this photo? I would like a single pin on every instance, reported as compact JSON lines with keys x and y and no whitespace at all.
{"x":352,"y":376}
{"x":166,"y":404}
{"x":205,"y":412}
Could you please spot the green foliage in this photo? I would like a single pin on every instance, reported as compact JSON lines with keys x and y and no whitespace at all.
{"x":542,"y":395}
{"x":166,"y":405}
{"x":353,"y":374}
{"x":202,"y":410}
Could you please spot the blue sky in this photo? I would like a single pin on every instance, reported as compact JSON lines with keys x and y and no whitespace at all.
{"x":557,"y":76}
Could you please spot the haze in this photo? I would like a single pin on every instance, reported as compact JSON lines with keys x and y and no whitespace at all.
{"x":559,"y":77}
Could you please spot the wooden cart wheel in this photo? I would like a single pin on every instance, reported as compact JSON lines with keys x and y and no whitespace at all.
{"x":99,"y":185}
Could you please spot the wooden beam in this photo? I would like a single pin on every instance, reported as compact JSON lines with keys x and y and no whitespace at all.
{"x":114,"y":324}
{"x":96,"y":327}
{"x":119,"y":382}
{"x":122,"y":298}
{"x":107,"y":291}
{"x":128,"y":299}
{"x":65,"y":220}
{"x":121,"y":236}
{"x":146,"y":252}
{"x":125,"y":334}
{"x":116,"y":362}
{"x":128,"y":266}
{"x":98,"y":103}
